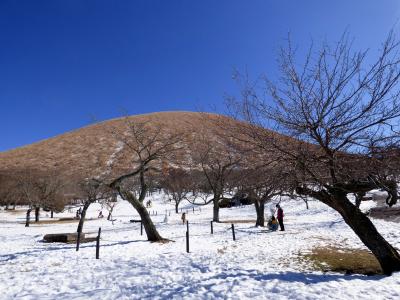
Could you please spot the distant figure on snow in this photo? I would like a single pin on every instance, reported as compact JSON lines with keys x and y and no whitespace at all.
{"x":148,"y":203}
{"x":100,"y":215}
{"x":273,"y":224}
{"x":166,"y":218}
{"x":183,"y":218}
{"x":78,"y":213}
{"x":280,"y":216}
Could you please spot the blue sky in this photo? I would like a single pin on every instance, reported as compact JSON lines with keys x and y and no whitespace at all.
{"x":65,"y":63}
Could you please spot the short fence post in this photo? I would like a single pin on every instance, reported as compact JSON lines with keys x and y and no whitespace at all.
{"x":233,"y":232}
{"x":187,"y":236}
{"x":193,"y":209}
{"x":78,"y":240}
{"x":212,"y":228}
{"x":98,"y":244}
{"x":141,"y":227}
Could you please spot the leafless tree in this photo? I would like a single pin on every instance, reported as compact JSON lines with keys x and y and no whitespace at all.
{"x":48,"y":188}
{"x":263,"y":183}
{"x":8,"y":184}
{"x":26,"y":190}
{"x":333,"y":106}
{"x":109,"y":204}
{"x":90,"y":191}
{"x":177,"y":184}
{"x":147,"y":146}
{"x":217,"y":157}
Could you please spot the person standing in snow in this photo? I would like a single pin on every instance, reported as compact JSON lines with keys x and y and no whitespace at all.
{"x":280,"y":217}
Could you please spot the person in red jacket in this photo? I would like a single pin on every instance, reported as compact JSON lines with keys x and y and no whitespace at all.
{"x":280,"y":217}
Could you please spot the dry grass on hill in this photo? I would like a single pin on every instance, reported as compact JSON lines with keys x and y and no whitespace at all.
{"x":90,"y":149}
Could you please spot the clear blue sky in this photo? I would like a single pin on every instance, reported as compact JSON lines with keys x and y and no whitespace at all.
{"x":64,"y":62}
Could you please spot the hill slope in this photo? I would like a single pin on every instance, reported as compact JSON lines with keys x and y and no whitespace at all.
{"x":93,"y":148}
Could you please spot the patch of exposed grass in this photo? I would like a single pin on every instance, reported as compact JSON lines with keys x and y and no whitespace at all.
{"x":344,"y":260}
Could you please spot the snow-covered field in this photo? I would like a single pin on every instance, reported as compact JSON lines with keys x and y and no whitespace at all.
{"x":259,"y":264}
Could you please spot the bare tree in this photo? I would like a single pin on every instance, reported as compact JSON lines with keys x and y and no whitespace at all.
{"x":218,"y":158}
{"x":90,"y":191}
{"x":334,"y":105}
{"x":48,"y":187}
{"x":109,"y":204}
{"x":26,"y":190}
{"x":263,"y":183}
{"x":147,"y":146}
{"x":8,"y":193}
{"x":178,"y":184}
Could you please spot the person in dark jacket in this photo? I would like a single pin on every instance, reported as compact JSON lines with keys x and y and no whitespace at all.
{"x":280,"y":217}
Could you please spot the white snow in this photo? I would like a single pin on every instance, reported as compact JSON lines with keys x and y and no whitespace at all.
{"x":259,"y":264}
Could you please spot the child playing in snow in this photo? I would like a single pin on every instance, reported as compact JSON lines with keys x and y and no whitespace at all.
{"x":273,"y":224}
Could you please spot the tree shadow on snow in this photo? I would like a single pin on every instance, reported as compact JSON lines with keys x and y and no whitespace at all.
{"x":60,"y":246}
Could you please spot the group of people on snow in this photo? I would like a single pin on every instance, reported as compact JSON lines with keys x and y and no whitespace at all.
{"x":274,"y":222}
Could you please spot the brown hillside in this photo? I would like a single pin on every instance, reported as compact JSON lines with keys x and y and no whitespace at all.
{"x":91,"y":149}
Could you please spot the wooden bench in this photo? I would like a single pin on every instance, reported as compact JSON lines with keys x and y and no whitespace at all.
{"x":62,"y":237}
{"x":135,"y":221}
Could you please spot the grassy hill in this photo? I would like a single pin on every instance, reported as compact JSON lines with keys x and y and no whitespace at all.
{"x":92,"y":149}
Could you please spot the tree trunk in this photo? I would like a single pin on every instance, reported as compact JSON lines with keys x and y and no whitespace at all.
{"x":83,"y":215}
{"x":387,"y":256}
{"x":109,"y":217}
{"x":306,"y":201}
{"x":51,"y":214}
{"x":216,"y":209}
{"x":260,"y":208}
{"x":149,"y":227}
{"x":28,"y":217}
{"x":176,"y":207}
{"x":37,"y":213}
{"x":359,"y":197}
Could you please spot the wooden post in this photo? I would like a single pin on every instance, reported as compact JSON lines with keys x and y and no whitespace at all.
{"x":98,"y":244}
{"x":78,"y":240}
{"x":193,"y":209}
{"x":212,"y":228}
{"x":51,"y":214}
{"x":187,"y":236}
{"x":233,"y":232}
{"x":141,"y":227}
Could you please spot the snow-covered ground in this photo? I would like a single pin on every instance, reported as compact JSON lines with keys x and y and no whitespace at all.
{"x":259,"y":264}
